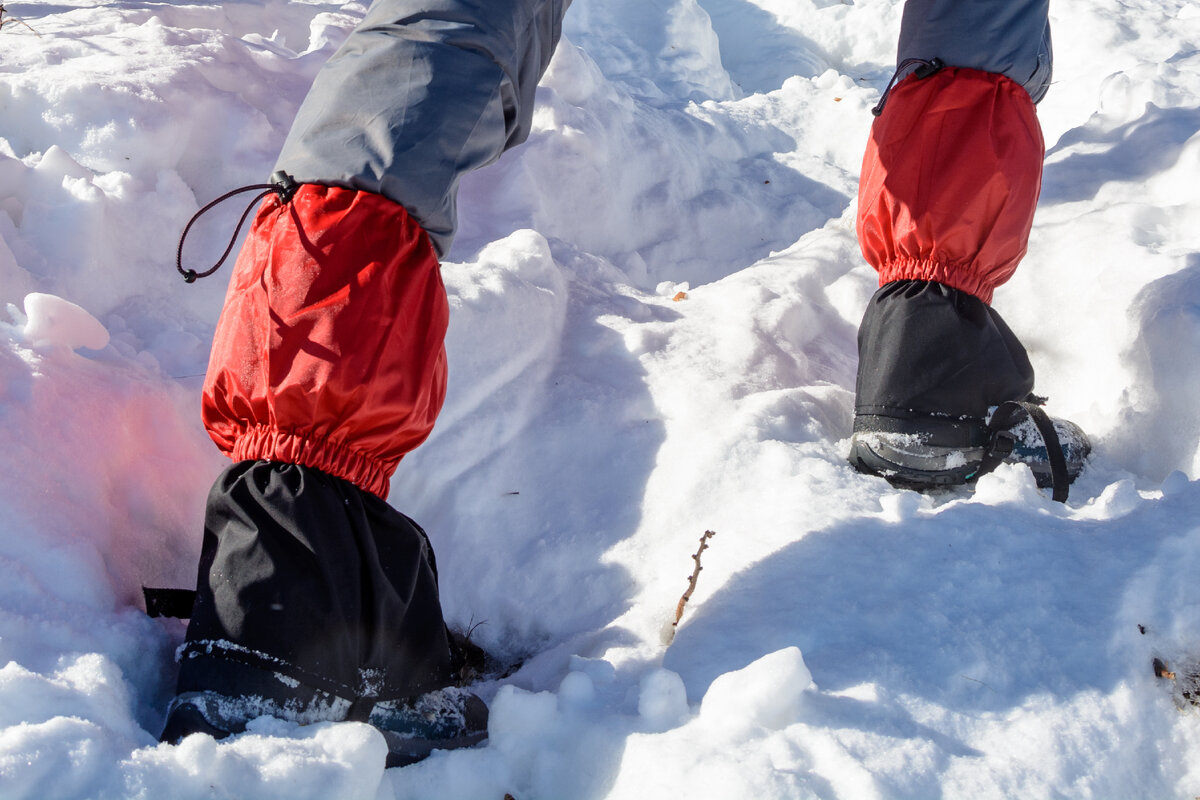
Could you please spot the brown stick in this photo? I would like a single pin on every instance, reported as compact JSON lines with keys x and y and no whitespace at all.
{"x":694,"y":578}
{"x":11,"y":18}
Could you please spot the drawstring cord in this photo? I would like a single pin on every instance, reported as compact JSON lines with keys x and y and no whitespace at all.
{"x":281,"y":183}
{"x":924,"y":70}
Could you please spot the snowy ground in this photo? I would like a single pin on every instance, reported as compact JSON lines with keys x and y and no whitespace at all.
{"x":845,"y":640}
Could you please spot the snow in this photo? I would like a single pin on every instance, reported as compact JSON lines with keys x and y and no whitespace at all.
{"x":54,"y":322}
{"x":845,"y":639}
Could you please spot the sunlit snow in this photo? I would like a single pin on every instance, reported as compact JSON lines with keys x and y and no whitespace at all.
{"x":654,"y":306}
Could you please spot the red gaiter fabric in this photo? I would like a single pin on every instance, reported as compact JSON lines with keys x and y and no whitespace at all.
{"x":950,"y":179}
{"x":329,"y":352}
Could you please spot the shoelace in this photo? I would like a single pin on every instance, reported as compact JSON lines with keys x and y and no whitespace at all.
{"x":1001,"y":442}
{"x":281,"y":184}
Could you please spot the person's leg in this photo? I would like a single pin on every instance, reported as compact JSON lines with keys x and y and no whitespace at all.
{"x":1004,"y":38}
{"x":950,"y":179}
{"x":315,"y":599}
{"x":313,"y":596}
{"x":423,"y":92}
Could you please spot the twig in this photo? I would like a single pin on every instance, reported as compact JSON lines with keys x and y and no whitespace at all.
{"x":694,"y":578}
{"x":981,"y":683}
{"x":11,"y":18}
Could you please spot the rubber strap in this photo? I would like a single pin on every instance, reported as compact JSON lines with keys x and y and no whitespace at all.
{"x":1003,"y":418}
{"x":1058,"y":462}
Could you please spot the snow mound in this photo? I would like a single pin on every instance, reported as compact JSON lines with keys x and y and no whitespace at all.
{"x":54,"y":322}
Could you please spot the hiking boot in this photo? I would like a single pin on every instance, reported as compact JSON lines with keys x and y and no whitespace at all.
{"x":443,"y":720}
{"x":943,"y":394}
{"x":928,"y":453}
{"x":203,"y":712}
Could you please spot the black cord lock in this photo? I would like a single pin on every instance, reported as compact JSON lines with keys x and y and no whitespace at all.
{"x":911,"y":66}
{"x":282,"y":184}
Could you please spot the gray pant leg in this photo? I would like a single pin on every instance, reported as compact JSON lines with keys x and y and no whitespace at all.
{"x":1010,"y":37}
{"x":422,"y":92}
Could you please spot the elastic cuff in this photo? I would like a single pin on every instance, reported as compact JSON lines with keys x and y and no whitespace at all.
{"x":955,"y":275}
{"x":262,"y":443}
